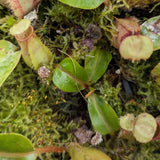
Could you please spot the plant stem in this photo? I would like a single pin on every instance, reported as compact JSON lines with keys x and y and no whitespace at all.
{"x":50,"y":149}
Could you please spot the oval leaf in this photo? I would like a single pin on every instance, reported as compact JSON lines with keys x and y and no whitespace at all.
{"x":69,"y":76}
{"x":151,"y":29}
{"x":84,"y":4}
{"x":78,"y":152}
{"x":16,"y":147}
{"x":96,"y":64}
{"x":102,"y":115}
{"x":8,"y":59}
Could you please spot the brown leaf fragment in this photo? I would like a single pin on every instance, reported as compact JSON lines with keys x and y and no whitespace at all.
{"x":83,"y":134}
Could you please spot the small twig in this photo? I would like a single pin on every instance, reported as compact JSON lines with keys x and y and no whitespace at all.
{"x":50,"y":149}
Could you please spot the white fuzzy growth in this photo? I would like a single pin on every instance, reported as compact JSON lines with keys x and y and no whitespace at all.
{"x":96,"y":139}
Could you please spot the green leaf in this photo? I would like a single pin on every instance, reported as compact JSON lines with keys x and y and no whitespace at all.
{"x":78,"y":152}
{"x":84,"y":4}
{"x":8,"y":59}
{"x":69,"y":76}
{"x":102,"y":115}
{"x":96,"y":64}
{"x":16,"y":147}
{"x":150,"y":28}
{"x":6,"y":47}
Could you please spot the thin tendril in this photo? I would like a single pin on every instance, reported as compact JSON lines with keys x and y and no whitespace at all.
{"x":74,"y":74}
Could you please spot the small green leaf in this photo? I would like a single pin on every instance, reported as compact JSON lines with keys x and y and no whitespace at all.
{"x":102,"y":115}
{"x":69,"y":76}
{"x":96,"y":64}
{"x":83,"y":4}
{"x":78,"y":152}
{"x":156,"y":73}
{"x":16,"y":147}
{"x":150,"y":28}
{"x":8,"y":59}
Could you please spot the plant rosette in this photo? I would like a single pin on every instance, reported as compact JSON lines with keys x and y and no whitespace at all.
{"x":130,"y":43}
{"x":69,"y":76}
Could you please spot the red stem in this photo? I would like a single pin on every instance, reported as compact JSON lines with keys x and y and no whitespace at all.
{"x":50,"y":149}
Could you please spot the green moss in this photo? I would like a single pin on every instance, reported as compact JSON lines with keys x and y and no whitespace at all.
{"x":5,"y":24}
{"x":31,"y":108}
{"x":148,"y":91}
{"x":110,"y":93}
{"x":120,"y":149}
{"x":39,"y":111}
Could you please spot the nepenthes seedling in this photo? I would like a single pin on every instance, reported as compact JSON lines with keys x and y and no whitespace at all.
{"x":68,"y":76}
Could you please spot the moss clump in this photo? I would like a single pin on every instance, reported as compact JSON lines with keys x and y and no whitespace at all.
{"x":110,"y":93}
{"x":31,"y":108}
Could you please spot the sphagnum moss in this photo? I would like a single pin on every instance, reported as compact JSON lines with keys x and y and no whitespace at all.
{"x":37,"y":111}
{"x":26,"y":109}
